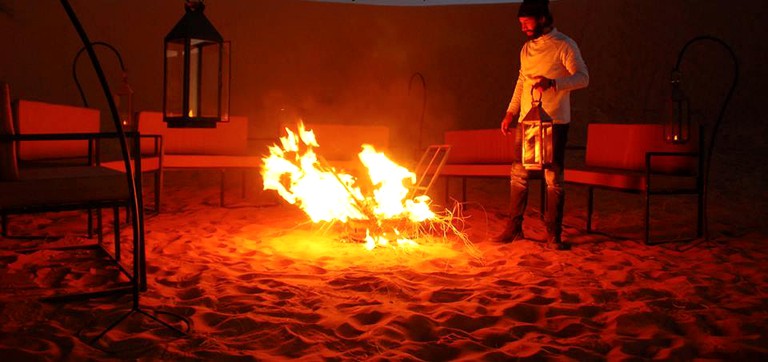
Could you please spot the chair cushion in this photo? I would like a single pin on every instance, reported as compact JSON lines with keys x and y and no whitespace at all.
{"x":148,"y":164}
{"x":630,"y":181}
{"x":607,"y":178}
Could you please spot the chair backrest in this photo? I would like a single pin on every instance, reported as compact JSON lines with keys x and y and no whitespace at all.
{"x":480,"y":146}
{"x":623,"y":146}
{"x":344,"y":141}
{"x":228,"y":138}
{"x":33,"y":117}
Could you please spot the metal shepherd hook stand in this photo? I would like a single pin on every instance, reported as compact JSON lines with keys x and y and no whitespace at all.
{"x":676,"y":80}
{"x":136,"y":208}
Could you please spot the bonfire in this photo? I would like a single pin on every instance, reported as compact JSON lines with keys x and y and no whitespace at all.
{"x":383,"y":205}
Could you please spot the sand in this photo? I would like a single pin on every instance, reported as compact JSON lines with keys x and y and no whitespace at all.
{"x":258,"y":281}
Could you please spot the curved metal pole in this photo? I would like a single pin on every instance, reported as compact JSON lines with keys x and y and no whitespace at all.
{"x":132,"y":192}
{"x":77,"y":58}
{"x":719,"y":119}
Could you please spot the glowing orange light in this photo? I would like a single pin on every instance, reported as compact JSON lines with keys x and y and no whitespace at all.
{"x":301,"y":177}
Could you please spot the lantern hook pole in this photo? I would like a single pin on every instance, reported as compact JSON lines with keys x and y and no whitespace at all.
{"x":77,"y":58}
{"x":136,"y":209}
{"x":676,"y":80}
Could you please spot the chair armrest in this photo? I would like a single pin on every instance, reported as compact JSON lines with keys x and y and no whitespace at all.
{"x":649,"y":156}
{"x":91,"y":137}
{"x":59,"y":136}
{"x":157,"y":145}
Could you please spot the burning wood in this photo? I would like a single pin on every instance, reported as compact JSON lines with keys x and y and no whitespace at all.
{"x":303,"y":178}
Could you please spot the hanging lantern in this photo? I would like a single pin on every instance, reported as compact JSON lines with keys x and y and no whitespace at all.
{"x":196,"y":72}
{"x":537,"y":137}
{"x":677,"y":115}
{"x":124,"y":102}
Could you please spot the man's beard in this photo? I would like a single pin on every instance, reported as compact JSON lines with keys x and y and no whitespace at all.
{"x":538,"y":31}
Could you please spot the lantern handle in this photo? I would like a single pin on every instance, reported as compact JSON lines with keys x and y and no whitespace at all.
{"x":534,"y":101}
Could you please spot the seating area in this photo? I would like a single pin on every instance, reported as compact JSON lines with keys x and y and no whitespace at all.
{"x":57,"y":165}
{"x":634,"y":158}
{"x":50,"y":164}
{"x":57,"y":152}
{"x":222,"y":149}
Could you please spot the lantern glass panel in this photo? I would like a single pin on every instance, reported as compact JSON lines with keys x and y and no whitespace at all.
{"x":537,"y":144}
{"x":677,"y":121}
{"x":174,"y":78}
{"x":225,"y":81}
{"x":124,"y":102}
{"x":204,"y":94}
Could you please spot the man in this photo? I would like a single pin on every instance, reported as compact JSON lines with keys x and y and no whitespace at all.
{"x":550,"y":63}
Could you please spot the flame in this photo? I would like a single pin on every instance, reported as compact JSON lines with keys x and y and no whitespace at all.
{"x":302,"y":178}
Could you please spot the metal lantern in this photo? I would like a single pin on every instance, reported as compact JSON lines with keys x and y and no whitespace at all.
{"x":124,"y":102}
{"x":196,"y":72}
{"x":677,"y":115}
{"x":536,"y":127}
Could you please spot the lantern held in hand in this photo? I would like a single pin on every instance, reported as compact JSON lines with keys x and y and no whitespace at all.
{"x":537,"y":137}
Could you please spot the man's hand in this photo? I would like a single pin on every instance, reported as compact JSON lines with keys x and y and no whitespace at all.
{"x":508,"y":123}
{"x":544,"y":83}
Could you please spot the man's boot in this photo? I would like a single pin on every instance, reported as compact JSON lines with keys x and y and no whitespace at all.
{"x":513,"y":231}
{"x":554,"y":218}
{"x":518,"y":199}
{"x":555,"y":241}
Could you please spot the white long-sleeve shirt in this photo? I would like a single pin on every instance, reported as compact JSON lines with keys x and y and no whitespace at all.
{"x":555,"y":56}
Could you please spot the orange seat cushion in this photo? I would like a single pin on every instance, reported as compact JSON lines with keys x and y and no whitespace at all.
{"x":607,"y":178}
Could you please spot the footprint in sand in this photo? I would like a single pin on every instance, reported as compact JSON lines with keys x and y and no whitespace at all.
{"x":191,"y":293}
{"x":539,"y":300}
{"x":449,"y":295}
{"x":534,"y":261}
{"x":368,"y":318}
{"x":346,"y":330}
{"x":571,"y":298}
{"x":470,"y":324}
{"x":522,"y":312}
{"x":249,"y":289}
{"x":183,"y":281}
{"x":417,"y":328}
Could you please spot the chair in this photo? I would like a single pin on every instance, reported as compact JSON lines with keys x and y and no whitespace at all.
{"x":33,"y":117}
{"x":221,"y":149}
{"x":52,"y":174}
{"x":634,"y":158}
